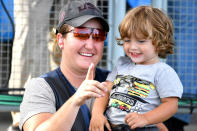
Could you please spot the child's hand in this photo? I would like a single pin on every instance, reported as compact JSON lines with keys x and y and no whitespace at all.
{"x":98,"y":122}
{"x":135,"y":120}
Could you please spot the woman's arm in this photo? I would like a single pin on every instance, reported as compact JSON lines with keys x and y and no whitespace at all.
{"x":64,"y":118}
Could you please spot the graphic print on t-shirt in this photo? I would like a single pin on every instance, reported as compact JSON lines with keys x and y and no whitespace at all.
{"x":128,"y":92}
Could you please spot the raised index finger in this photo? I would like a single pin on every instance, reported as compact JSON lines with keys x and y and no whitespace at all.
{"x":90,"y":74}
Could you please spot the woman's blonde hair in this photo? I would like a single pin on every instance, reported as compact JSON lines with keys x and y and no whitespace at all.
{"x":56,"y":51}
{"x":145,"y":22}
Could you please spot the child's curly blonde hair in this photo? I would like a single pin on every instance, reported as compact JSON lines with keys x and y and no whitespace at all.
{"x":145,"y":22}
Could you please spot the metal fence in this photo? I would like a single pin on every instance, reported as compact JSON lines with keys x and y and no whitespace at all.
{"x":184,"y":61}
{"x":6,"y":40}
{"x":8,"y":54}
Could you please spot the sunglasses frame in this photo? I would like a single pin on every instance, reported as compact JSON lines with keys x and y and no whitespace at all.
{"x":91,"y":33}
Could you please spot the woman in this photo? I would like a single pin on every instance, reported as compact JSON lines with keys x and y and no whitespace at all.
{"x":50,"y":101}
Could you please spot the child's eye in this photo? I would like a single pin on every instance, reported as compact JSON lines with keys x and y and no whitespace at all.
{"x":127,"y":41}
{"x":141,"y":41}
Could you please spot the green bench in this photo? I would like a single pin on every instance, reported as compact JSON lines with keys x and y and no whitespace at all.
{"x":188,"y":104}
{"x":9,"y":102}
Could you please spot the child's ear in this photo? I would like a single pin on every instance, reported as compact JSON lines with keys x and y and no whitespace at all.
{"x":60,"y":41}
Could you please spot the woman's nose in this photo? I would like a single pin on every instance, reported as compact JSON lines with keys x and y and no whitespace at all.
{"x":89,"y":43}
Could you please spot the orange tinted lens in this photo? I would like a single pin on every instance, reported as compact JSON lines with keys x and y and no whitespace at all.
{"x":99,"y":35}
{"x":81,"y":36}
{"x":84,"y":33}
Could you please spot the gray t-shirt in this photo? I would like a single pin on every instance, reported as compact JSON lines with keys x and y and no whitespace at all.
{"x":139,"y":88}
{"x":39,"y":98}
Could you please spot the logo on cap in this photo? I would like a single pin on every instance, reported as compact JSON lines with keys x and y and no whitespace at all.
{"x":86,"y":6}
{"x":62,"y":17}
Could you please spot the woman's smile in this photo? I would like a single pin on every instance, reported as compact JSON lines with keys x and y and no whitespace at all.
{"x":86,"y":54}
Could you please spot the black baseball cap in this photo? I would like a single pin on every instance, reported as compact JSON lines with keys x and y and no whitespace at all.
{"x":77,"y":12}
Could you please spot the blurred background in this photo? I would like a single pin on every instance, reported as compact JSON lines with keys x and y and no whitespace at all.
{"x":25,"y":49}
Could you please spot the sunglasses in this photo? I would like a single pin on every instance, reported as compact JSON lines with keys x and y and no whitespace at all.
{"x":84,"y":33}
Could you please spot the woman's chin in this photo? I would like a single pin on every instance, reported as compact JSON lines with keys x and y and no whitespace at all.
{"x":84,"y":65}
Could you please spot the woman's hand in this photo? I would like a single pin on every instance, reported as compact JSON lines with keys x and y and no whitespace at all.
{"x":89,"y":88}
{"x":97,"y":123}
{"x":162,"y":127}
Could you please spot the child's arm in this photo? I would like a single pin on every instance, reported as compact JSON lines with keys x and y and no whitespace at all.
{"x":98,"y":119}
{"x":165,"y":110}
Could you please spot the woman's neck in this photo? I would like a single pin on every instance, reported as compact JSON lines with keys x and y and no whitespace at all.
{"x":75,"y":77}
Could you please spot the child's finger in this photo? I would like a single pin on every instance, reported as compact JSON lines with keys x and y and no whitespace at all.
{"x":90,"y":74}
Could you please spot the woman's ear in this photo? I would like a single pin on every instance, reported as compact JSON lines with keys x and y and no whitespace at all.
{"x":60,"y":40}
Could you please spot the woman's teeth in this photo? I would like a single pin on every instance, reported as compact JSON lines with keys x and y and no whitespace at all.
{"x":86,"y":54}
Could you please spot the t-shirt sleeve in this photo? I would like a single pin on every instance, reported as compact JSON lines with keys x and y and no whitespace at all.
{"x":112,"y":75}
{"x":168,"y":84}
{"x":38,"y":98}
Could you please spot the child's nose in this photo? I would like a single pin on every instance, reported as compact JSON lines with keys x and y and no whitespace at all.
{"x":133,"y":45}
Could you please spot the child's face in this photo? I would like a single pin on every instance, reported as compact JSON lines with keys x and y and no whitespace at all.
{"x":140,"y":51}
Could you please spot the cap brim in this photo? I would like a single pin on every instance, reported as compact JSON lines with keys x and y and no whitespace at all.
{"x":76,"y":22}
